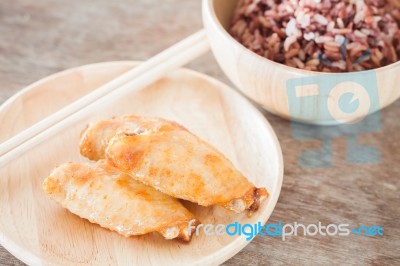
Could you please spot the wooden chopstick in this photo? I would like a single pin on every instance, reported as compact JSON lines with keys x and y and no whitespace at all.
{"x":140,"y":76}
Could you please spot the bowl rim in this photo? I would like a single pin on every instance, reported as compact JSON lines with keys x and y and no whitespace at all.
{"x":209,"y":7}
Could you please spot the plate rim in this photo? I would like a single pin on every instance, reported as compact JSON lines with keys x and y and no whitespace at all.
{"x":224,"y":253}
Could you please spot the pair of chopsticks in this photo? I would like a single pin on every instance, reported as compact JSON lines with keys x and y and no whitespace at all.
{"x":146,"y":73}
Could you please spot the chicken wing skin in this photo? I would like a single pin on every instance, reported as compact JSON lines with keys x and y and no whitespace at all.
{"x":95,"y":138}
{"x":166,"y":156}
{"x":103,"y":195}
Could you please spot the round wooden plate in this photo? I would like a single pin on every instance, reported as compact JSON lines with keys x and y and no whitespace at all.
{"x":38,"y":231}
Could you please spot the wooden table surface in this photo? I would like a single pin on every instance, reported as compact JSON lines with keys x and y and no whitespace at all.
{"x":38,"y":38}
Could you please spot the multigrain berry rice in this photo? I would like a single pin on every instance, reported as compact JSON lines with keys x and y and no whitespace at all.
{"x":320,"y":35}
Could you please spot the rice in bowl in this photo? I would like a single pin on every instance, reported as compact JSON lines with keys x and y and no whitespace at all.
{"x":320,"y":35}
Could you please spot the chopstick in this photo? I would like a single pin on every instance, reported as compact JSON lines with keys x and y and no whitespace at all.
{"x":135,"y":79}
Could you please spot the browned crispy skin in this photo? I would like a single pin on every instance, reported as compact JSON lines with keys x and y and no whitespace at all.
{"x":95,"y":138}
{"x":166,"y":156}
{"x":183,"y":166}
{"x":104,"y":195}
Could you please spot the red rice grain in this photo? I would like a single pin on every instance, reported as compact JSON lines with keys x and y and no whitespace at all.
{"x":320,"y":35}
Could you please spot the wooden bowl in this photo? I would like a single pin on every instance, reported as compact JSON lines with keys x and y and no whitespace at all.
{"x":38,"y":231}
{"x":289,"y":92}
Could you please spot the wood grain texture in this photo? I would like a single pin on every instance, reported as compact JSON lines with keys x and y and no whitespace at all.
{"x":42,"y":37}
{"x":270,"y":84}
{"x":38,"y":231}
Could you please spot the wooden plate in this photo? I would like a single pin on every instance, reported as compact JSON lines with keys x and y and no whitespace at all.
{"x":38,"y":231}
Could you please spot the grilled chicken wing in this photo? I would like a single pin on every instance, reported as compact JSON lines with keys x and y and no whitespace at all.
{"x":166,"y":156}
{"x":114,"y":200}
{"x":95,"y":138}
